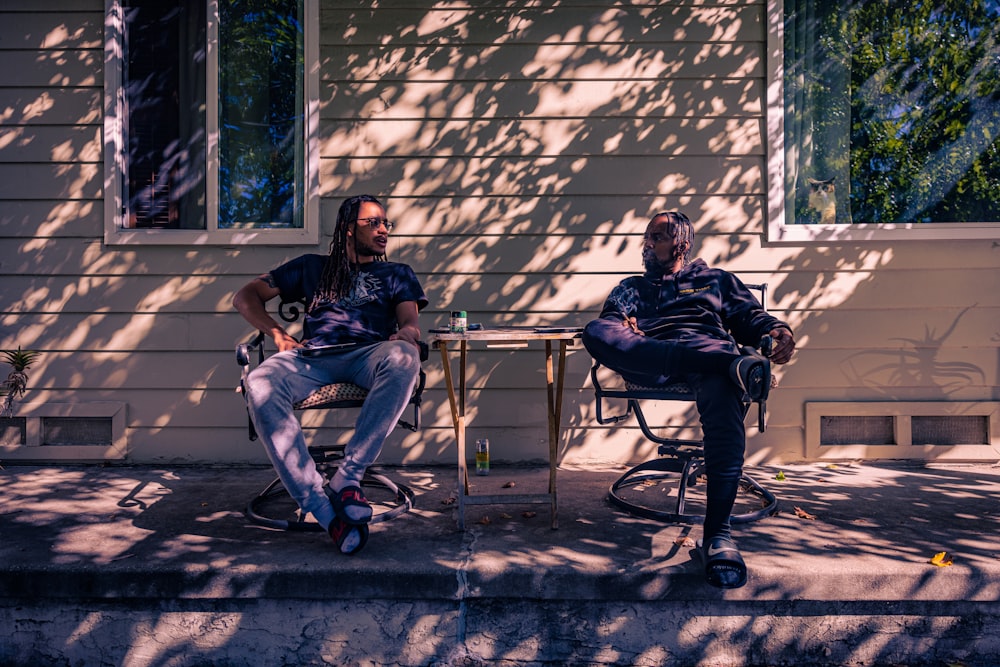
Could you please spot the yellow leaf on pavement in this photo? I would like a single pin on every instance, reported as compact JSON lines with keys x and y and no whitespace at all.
{"x":942,"y":559}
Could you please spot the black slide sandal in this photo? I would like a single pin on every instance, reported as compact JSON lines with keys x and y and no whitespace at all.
{"x":724,"y":566}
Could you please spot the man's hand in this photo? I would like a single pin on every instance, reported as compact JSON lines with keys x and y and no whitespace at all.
{"x":410,"y":334}
{"x":284,"y":342}
{"x":784,"y":345}
{"x":631,"y":324}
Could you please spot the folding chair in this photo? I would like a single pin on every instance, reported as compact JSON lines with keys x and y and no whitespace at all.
{"x":680,"y":462}
{"x":326,"y":456}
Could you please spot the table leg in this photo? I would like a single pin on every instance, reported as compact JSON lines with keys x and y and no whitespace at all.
{"x":457,"y":404}
{"x":554,"y":390}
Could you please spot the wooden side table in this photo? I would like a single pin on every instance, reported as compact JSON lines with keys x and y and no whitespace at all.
{"x":510,"y":338}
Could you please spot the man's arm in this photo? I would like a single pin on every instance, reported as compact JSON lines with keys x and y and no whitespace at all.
{"x":407,"y":316}
{"x":251,"y":302}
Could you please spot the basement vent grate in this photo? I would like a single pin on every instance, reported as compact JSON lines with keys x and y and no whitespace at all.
{"x":13,"y":431}
{"x":950,"y":430}
{"x":65,"y":431}
{"x":849,"y":430}
{"x":919,"y":430}
{"x":86,"y":431}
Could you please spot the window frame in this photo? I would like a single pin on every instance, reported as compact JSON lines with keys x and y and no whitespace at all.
{"x":778,"y":230}
{"x":115,"y":141}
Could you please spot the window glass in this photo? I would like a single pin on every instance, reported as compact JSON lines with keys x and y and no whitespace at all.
{"x":892,"y":112}
{"x":260,"y":113}
{"x":163,"y":84}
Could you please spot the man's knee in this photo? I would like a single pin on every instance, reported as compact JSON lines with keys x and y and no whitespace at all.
{"x":596,"y":337}
{"x":267,"y":382}
{"x":402,"y":356}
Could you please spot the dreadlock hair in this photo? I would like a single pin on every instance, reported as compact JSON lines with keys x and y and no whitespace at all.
{"x":682,"y":231}
{"x":337,"y":277}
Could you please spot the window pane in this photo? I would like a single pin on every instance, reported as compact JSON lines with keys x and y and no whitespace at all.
{"x":261,"y":122}
{"x":892,"y":111}
{"x":164,"y":96}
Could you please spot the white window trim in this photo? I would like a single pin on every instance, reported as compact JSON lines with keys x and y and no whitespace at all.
{"x":114,"y":146}
{"x":777,"y":229}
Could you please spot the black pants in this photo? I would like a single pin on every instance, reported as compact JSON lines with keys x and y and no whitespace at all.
{"x":695,"y":359}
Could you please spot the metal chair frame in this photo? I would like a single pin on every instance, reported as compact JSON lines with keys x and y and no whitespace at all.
{"x":680,"y":461}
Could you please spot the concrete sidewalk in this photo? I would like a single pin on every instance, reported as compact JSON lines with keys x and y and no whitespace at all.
{"x":156,"y":566}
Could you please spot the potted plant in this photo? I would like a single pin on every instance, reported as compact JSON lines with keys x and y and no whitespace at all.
{"x":17,"y":380}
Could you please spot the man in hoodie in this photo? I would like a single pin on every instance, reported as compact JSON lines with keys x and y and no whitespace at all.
{"x":678,"y":321}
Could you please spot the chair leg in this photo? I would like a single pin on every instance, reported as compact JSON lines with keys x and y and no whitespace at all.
{"x":684,"y":472}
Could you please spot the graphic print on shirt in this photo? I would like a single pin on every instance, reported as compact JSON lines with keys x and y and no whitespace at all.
{"x":624,"y":299}
{"x":365,"y":289}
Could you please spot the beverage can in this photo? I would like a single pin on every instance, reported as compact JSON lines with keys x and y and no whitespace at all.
{"x":459,"y":321}
{"x":483,"y":456}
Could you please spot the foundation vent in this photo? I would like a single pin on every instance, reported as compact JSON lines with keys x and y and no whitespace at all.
{"x":929,"y":431}
{"x":64,"y":432}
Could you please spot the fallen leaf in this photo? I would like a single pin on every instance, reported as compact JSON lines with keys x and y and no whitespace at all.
{"x":504,"y":515}
{"x":450,"y":500}
{"x":485,"y":521}
{"x":684,"y":542}
{"x":802,"y":514}
{"x":780,"y":476}
{"x":509,"y":485}
{"x":942,"y":559}
{"x":529,"y":515}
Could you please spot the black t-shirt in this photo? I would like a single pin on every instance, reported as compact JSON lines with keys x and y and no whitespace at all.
{"x":366,"y":315}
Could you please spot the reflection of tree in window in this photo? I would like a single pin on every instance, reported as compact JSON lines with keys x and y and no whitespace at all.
{"x":260,"y":122}
{"x":164,"y":91}
{"x":899,"y":103}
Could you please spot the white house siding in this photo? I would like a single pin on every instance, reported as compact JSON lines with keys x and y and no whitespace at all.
{"x":520,"y":151}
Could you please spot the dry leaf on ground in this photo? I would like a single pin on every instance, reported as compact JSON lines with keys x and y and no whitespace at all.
{"x":942,"y":559}
{"x":802,"y":514}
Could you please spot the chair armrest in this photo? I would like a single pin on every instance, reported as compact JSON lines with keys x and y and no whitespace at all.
{"x":243,"y":350}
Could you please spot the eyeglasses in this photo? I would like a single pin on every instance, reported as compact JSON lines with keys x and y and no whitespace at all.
{"x":375,"y":223}
{"x":655,"y":237}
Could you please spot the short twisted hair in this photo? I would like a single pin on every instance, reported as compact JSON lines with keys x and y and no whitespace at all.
{"x":680,"y":228}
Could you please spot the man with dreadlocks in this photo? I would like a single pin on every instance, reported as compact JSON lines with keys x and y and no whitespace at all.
{"x":355,"y":297}
{"x":672,"y":323}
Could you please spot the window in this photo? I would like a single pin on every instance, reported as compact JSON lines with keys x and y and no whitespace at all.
{"x":210,"y":121}
{"x":886,"y":119}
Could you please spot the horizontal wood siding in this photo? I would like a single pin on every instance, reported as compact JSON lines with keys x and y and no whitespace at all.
{"x":520,"y":151}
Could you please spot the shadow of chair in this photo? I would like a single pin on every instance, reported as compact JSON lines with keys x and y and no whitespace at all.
{"x":390,"y":500}
{"x":680,"y":462}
